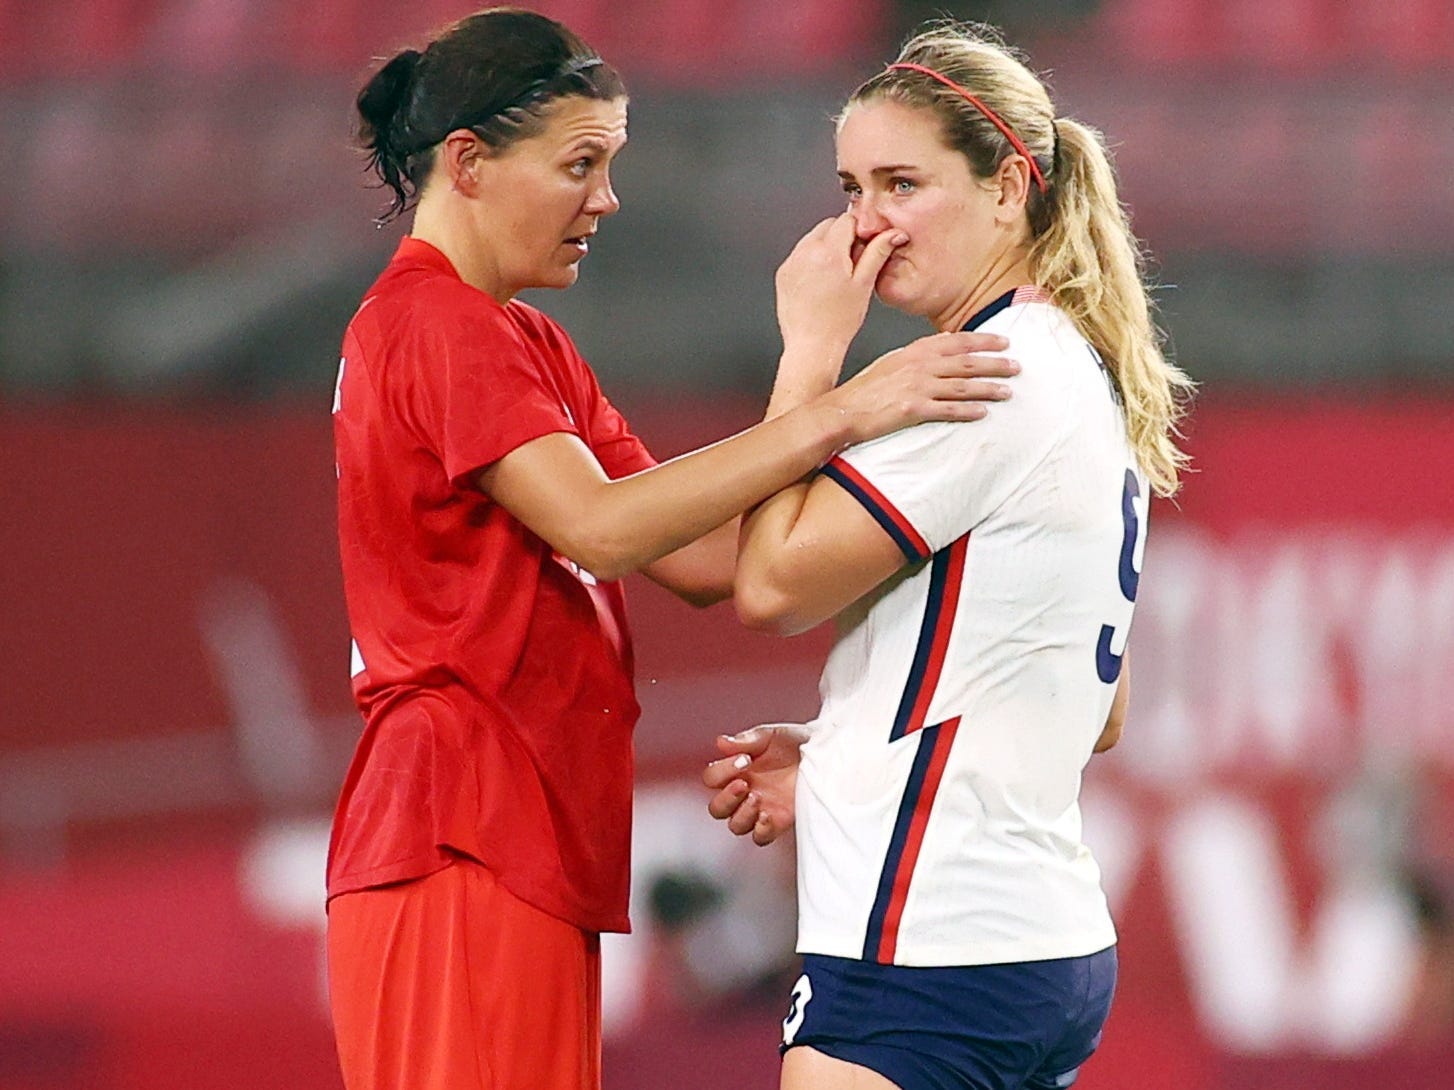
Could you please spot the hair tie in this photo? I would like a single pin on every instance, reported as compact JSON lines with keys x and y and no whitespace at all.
{"x":570,"y":68}
{"x":580,"y":64}
{"x":1009,"y":134}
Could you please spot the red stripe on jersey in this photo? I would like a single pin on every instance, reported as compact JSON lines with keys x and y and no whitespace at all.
{"x":1030,"y":293}
{"x":944,"y":626}
{"x":894,"y":514}
{"x":943,"y":740}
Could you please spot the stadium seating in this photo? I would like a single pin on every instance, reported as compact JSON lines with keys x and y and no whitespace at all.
{"x":1288,"y":38}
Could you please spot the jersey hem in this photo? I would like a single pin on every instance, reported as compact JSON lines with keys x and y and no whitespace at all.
{"x":417,"y":867}
{"x":405,"y":870}
{"x":925,"y":955}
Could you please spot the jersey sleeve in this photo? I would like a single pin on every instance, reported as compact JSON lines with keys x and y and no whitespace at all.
{"x":601,"y":427}
{"x":929,"y":485}
{"x":488,"y":393}
{"x":616,"y":447}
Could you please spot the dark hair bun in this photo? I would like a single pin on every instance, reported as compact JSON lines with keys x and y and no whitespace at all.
{"x":384,"y":95}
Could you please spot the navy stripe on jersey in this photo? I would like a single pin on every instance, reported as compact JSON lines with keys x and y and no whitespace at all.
{"x":881,"y":940}
{"x":885,"y":514}
{"x":941,"y":603}
{"x":988,"y":311}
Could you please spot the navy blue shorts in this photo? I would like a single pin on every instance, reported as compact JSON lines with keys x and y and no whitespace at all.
{"x":1025,"y":1026}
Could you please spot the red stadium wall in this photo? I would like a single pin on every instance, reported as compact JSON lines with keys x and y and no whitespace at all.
{"x":175,"y":717}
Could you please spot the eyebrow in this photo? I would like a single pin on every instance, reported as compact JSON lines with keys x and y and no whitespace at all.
{"x":590,"y":143}
{"x":894,"y":168}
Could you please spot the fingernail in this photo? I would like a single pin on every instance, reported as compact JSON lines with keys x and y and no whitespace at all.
{"x":743,"y":760}
{"x":898,"y":238}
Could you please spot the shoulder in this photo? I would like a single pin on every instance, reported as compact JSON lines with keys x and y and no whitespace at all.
{"x":1056,"y":361}
{"x":1039,"y":328}
{"x":549,"y":338}
{"x":442,"y":312}
{"x":537,"y":325}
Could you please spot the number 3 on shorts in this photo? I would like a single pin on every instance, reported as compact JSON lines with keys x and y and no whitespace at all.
{"x":797,"y":1008}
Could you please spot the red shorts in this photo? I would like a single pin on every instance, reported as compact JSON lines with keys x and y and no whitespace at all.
{"x":449,"y":982}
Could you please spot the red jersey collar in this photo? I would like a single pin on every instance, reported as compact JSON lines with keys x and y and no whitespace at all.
{"x":415,"y":251}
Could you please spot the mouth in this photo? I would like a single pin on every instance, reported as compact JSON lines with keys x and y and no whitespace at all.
{"x":892,"y":265}
{"x":580,"y":243}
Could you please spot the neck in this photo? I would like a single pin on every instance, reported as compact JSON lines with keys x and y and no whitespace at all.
{"x":1010,"y":269}
{"x":445,"y":226}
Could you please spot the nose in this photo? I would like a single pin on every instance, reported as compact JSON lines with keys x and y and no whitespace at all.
{"x":602,"y":200}
{"x":868,"y":219}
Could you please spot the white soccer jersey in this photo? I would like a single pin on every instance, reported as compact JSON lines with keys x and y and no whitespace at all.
{"x":937,"y":813}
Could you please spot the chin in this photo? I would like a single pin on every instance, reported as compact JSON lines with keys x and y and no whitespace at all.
{"x":559,"y":278}
{"x":894,"y":293}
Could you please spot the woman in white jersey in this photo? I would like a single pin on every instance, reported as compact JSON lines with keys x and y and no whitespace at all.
{"x":953,"y":925}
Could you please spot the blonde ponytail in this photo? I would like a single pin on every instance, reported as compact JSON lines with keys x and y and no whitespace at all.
{"x":1090,"y":263}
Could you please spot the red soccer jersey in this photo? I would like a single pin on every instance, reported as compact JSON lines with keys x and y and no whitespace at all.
{"x":494,"y":677}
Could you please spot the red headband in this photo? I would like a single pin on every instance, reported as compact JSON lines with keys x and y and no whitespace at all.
{"x":1015,"y":141}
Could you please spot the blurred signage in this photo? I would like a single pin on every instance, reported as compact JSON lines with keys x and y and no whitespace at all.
{"x":1276,"y":830}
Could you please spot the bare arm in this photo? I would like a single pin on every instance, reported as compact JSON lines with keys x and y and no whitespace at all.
{"x":700,"y":573}
{"x":555,"y":486}
{"x":807,"y":553}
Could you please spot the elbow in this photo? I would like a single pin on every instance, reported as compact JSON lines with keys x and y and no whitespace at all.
{"x":763,"y":607}
{"x":604,"y":555}
{"x":604,"y":566}
{"x":701,"y":598}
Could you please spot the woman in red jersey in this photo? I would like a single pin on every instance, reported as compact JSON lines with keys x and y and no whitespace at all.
{"x":489,"y":499}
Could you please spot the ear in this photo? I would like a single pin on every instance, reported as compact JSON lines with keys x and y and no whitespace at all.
{"x":1013,"y":179}
{"x":459,"y":158}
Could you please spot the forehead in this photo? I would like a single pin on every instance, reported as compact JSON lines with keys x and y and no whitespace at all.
{"x":880,"y":131}
{"x":576,"y":119}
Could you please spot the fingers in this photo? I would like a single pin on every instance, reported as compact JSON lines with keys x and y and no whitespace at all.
{"x":753,"y":741}
{"x":875,"y":254}
{"x":824,"y":228}
{"x":969,"y":355}
{"x":819,"y":231}
{"x":726,"y":802}
{"x":765,"y":830}
{"x":744,"y":819}
{"x":840,"y":232}
{"x":724,"y":770}
{"x":743,"y":811}
{"x":990,"y":366}
{"x":957,"y":411}
{"x":971,"y":389}
{"x":956,"y":343}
